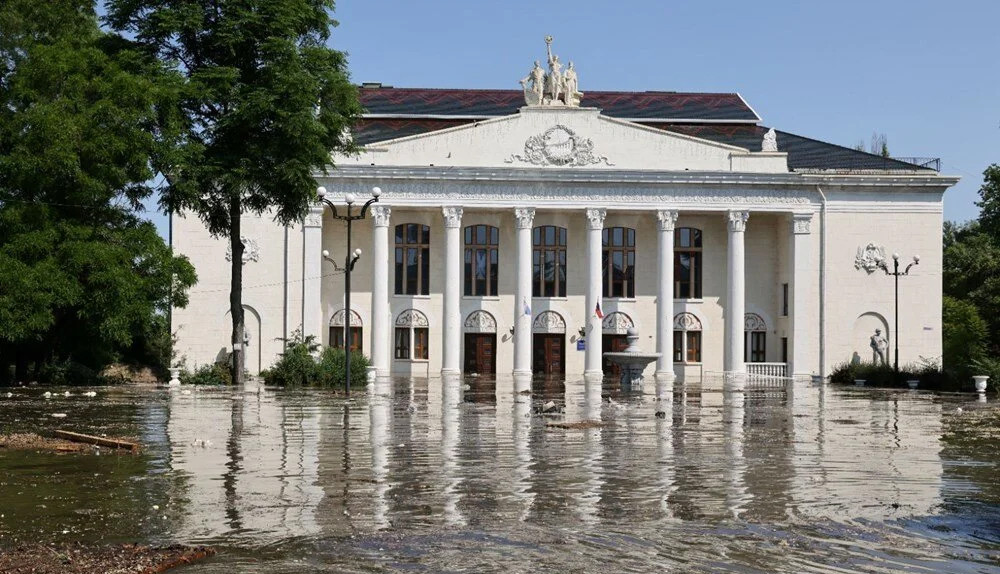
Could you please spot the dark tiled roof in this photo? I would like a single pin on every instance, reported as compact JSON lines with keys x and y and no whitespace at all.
{"x":632,"y":105}
{"x":369,"y":131}
{"x":803,"y":152}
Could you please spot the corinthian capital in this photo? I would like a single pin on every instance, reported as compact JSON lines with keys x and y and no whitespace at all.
{"x":452,"y":216}
{"x":380,"y":215}
{"x":737,"y":220}
{"x":524,"y":216}
{"x":595,"y":217}
{"x":667,"y":219}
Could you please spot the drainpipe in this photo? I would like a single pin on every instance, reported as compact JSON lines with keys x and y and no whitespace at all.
{"x":822,"y":284}
{"x":284,"y":307}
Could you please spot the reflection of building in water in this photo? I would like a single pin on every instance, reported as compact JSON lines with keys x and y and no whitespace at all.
{"x":249,"y":463}
{"x":451,"y":477}
{"x":380,"y":402}
{"x":861,"y":456}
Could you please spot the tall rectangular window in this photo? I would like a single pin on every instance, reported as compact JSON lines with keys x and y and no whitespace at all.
{"x":687,"y":263}
{"x":337,"y":338}
{"x":548,"y":261}
{"x":784,"y":299}
{"x":482,"y":260}
{"x":402,"y":342}
{"x":420,"y":337}
{"x":693,"y":346}
{"x":413,"y":259}
{"x":757,"y":346}
{"x":619,"y":262}
{"x":784,"y":349}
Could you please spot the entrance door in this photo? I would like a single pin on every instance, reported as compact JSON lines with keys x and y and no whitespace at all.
{"x":480,"y":353}
{"x":612,"y":344}
{"x":549,"y":354}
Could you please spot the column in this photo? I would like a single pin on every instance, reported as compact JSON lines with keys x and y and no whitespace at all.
{"x":736,"y":292}
{"x":380,"y":334}
{"x":452,"y":350}
{"x":665,"y":296}
{"x":312,"y":273}
{"x":524,"y":218}
{"x":801,"y":274}
{"x":595,"y":225}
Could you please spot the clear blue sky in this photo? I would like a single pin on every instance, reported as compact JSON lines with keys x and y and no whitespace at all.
{"x":926,"y":74}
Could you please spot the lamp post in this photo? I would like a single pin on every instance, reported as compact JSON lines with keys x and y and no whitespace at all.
{"x":349,"y":262}
{"x":896,"y":274}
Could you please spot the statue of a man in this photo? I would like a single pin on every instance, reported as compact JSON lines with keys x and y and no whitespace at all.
{"x":880,"y":346}
{"x":534,"y":85}
{"x":555,"y":80}
{"x":571,"y":86}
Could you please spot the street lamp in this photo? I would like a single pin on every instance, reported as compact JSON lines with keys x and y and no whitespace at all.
{"x":896,"y":273}
{"x":352,"y":258}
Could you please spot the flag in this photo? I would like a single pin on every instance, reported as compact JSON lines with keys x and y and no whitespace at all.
{"x":597,"y":310}
{"x":527,"y":309}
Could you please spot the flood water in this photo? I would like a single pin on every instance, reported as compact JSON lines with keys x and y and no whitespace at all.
{"x":469,"y":476}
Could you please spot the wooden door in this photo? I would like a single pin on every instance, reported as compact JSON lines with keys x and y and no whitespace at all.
{"x":480,"y":353}
{"x":612,"y":344}
{"x":549,"y":354}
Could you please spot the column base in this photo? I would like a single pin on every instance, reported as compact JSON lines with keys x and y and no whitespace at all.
{"x":522,"y":373}
{"x":593,"y":374}
{"x":665,"y":376}
{"x":450,"y":372}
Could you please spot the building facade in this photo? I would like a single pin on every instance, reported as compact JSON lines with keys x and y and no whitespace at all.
{"x":514,"y":238}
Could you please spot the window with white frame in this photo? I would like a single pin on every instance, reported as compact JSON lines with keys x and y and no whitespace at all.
{"x":411,"y":338}
{"x":687,"y":338}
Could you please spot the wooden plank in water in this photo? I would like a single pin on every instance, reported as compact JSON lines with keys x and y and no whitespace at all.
{"x":98,"y":440}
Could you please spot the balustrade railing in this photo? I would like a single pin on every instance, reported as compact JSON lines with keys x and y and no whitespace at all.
{"x":767,"y":370}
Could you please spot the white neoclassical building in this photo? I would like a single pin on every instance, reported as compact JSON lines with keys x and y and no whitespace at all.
{"x":515,"y":238}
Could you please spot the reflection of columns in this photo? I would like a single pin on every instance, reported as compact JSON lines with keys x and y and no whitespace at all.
{"x":312,"y":272}
{"x":736,"y":292}
{"x":665,"y":296}
{"x":733,"y":417}
{"x":452,"y":289}
{"x":380,"y":336}
{"x":801,"y":274}
{"x":590,"y":467}
{"x":380,"y":418}
{"x":595,"y":225}
{"x":451,"y":397}
{"x":524,"y":216}
{"x":520,"y":437}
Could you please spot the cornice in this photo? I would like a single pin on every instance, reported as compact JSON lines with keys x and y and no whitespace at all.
{"x":606,"y":176}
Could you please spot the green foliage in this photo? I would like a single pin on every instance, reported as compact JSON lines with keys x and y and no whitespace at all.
{"x":964,"y":336}
{"x":298,"y":366}
{"x":989,"y":366}
{"x":213,"y":374}
{"x":82,"y":277}
{"x":929,"y":374}
{"x":989,"y":202}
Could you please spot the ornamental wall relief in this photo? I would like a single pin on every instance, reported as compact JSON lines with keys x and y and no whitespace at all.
{"x":480,"y":322}
{"x":548,"y":322}
{"x":616,"y":323}
{"x":251,"y":251}
{"x":559,"y":146}
{"x":870,"y":258}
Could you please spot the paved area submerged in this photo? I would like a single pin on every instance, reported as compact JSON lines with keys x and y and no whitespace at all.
{"x":472,"y":476}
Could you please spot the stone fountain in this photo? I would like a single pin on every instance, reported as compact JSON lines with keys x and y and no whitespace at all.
{"x":632,"y":361}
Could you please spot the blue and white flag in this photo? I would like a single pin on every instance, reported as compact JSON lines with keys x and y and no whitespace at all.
{"x":527,"y":309}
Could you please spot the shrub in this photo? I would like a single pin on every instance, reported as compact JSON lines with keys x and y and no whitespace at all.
{"x":874,"y":374}
{"x":69,"y":373}
{"x":213,"y":374}
{"x":298,"y":366}
{"x":989,"y":366}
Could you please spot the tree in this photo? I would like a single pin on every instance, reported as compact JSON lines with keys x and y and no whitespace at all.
{"x":963,"y":336}
{"x":81,"y":275}
{"x":262,"y":103}
{"x":971,"y":273}
{"x":879,"y":145}
{"x":989,"y":203}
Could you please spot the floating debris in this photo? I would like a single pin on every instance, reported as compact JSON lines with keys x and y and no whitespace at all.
{"x":67,"y":557}
{"x":59,"y":415}
{"x":588,"y":424}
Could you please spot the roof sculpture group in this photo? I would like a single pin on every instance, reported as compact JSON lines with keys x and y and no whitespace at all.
{"x":558,"y":87}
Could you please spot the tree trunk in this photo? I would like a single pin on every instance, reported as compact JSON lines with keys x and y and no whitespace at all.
{"x":236,"y":290}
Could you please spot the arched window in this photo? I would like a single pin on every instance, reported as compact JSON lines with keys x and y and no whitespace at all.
{"x":482,"y":260}
{"x":549,"y":261}
{"x":619,"y":261}
{"x":413,"y":259}
{"x":755,"y":335}
{"x":687,"y":263}
{"x":337,"y":331}
{"x":687,"y":338}
{"x":411,"y":337}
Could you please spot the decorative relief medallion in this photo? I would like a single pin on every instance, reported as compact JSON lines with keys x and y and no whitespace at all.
{"x":452,"y":216}
{"x":251,"y":251}
{"x":338,"y":319}
{"x":524,"y":216}
{"x":667,"y":219}
{"x":870,"y":258}
{"x":801,"y":223}
{"x":559,"y":146}
{"x":754,"y":322}
{"x":380,"y":215}
{"x":737,"y":220}
{"x":595,"y":217}
{"x":412,"y":318}
{"x":616,"y":323}
{"x":548,"y":322}
{"x":686,"y":322}
{"x":480,"y":322}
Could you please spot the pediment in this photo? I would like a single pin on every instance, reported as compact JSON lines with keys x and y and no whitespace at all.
{"x":565,"y":138}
